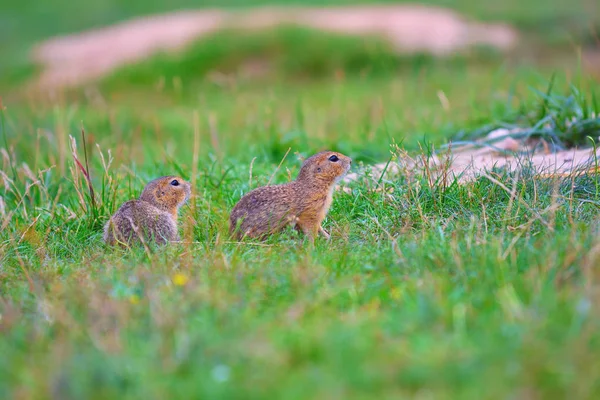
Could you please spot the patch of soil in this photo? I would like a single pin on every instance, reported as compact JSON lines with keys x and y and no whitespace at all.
{"x":591,"y":61}
{"x":75,"y":59}
{"x":467,"y":163}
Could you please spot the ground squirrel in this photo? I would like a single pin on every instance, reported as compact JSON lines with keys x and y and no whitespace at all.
{"x":302,"y":203}
{"x":152,"y":217}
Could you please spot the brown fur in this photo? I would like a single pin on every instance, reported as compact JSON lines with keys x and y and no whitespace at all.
{"x":152,"y":217}
{"x":303,"y":203}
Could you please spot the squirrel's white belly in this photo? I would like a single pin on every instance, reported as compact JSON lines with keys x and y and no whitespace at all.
{"x":328,"y":200}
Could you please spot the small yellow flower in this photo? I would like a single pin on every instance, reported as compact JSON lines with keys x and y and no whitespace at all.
{"x":180,"y":279}
{"x":372,"y":307}
{"x":396,"y":293}
{"x":134,"y":299}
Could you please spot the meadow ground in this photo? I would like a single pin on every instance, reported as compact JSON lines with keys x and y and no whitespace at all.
{"x":426,"y":290}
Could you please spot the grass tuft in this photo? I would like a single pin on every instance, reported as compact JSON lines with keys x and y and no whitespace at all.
{"x":565,"y":120}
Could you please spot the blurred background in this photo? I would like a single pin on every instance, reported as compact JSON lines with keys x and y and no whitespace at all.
{"x":288,"y":73}
{"x":535,"y":31}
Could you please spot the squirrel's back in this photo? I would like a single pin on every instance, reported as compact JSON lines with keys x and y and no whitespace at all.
{"x":263,"y":210}
{"x":137,"y":219}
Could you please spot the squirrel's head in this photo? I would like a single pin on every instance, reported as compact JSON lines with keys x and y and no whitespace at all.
{"x":167,"y":193}
{"x":326,"y":167}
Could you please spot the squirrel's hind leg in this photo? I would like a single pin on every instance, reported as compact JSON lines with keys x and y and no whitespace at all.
{"x":310,"y":230}
{"x":324,"y":233}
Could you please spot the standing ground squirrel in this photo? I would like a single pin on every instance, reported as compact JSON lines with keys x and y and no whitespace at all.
{"x":152,"y":217}
{"x":302,"y":203}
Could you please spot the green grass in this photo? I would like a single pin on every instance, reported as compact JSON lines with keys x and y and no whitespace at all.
{"x":566,"y":121}
{"x":455,"y":291}
{"x":486,"y":289}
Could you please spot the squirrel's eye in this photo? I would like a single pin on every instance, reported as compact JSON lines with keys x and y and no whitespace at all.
{"x":333,"y":158}
{"x":175,"y":182}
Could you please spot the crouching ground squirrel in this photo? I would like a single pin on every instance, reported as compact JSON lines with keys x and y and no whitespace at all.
{"x":152,"y":217}
{"x":302,"y":203}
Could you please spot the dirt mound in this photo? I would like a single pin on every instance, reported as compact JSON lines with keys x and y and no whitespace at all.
{"x":499,"y":150}
{"x":78,"y":58}
{"x":75,"y":59}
